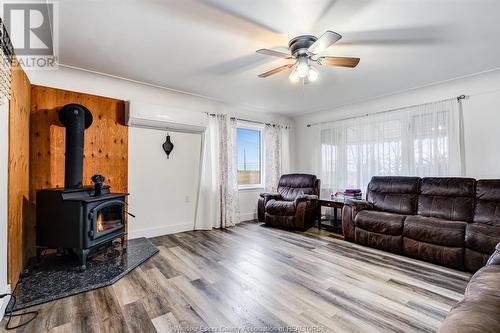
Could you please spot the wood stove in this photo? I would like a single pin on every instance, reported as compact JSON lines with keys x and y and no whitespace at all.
{"x":78,"y":218}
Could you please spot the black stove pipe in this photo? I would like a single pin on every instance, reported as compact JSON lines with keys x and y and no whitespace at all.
{"x":76,"y":118}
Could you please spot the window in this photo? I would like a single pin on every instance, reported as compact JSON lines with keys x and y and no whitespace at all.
{"x":430,"y":140}
{"x":417,"y":141}
{"x":249,"y":147}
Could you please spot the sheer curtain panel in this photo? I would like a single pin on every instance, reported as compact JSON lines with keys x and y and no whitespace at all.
{"x":423,"y":140}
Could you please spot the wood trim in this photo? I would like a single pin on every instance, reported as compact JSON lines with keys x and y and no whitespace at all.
{"x":18,"y":179}
{"x":33,"y":123}
{"x":106,"y":143}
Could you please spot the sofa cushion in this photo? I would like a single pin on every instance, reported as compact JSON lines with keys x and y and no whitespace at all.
{"x":442,"y":255}
{"x":394,"y":194}
{"x":447,"y":198}
{"x":485,"y":282}
{"x":487,"y":208}
{"x":482,"y":237}
{"x":435,"y":231}
{"x":280,"y":207}
{"x":379,"y":241}
{"x":380,"y":222}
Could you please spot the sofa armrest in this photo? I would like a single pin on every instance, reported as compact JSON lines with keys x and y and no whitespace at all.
{"x":351,"y":208}
{"x":495,"y":257}
{"x":305,"y":210}
{"x":305,"y":197}
{"x":269,"y":196}
{"x":358,"y":205}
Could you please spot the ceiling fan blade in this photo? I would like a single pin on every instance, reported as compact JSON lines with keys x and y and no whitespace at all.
{"x":338,"y":61}
{"x":274,"y":53}
{"x":276,"y":70}
{"x":325,"y":41}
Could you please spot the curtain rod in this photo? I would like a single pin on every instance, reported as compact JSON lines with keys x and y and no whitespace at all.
{"x":458,"y":98}
{"x":250,"y":121}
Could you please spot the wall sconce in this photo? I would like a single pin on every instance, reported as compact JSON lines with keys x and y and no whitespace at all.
{"x":168,"y":146}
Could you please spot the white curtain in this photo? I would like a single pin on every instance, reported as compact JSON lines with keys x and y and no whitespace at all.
{"x":423,"y":140}
{"x":277,"y":154}
{"x":285,"y":150}
{"x":272,"y":160}
{"x":228,"y":174}
{"x":218,"y":193}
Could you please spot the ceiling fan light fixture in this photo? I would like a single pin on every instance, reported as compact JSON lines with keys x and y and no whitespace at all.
{"x":313,"y":74}
{"x":294,"y":76}
{"x":302,"y":67}
{"x":304,"y":48}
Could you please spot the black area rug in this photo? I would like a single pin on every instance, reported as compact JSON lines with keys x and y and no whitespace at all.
{"x":58,"y":276}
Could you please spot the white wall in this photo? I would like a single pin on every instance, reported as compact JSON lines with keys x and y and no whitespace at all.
{"x":481,"y":120}
{"x":162,"y":191}
{"x":248,"y":203}
{"x":4,"y":156}
{"x":185,"y":155}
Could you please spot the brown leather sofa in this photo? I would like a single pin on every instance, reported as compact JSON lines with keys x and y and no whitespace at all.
{"x":453,"y":222}
{"x":479,"y":310}
{"x":482,"y":235}
{"x":295,"y":205}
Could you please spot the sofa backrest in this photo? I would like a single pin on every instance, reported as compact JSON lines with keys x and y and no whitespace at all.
{"x":394,"y":194}
{"x":447,"y":198}
{"x":487,"y":208}
{"x":292,"y":185}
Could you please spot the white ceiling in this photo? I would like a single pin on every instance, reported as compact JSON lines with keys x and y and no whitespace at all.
{"x":207,"y":47}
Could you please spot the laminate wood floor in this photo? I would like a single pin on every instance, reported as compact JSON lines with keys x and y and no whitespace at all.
{"x":252,"y":278}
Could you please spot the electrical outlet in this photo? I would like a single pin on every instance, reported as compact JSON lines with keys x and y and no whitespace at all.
{"x":187,"y":198}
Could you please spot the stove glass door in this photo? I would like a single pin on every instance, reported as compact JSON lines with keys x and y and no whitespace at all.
{"x":108,"y":217}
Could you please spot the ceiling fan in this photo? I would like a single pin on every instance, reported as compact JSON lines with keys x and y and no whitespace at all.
{"x":305,"y":49}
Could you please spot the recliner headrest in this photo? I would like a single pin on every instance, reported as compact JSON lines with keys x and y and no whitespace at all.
{"x":488,"y":189}
{"x":297,"y":180}
{"x":394,"y":184}
{"x":448,"y":186}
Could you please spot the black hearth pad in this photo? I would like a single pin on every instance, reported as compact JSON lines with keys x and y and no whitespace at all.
{"x":58,"y":276}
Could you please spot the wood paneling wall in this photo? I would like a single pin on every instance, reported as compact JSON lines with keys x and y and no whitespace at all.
{"x":18,"y":186}
{"x":106,"y":143}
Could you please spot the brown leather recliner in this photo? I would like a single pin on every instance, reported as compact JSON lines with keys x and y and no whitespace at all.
{"x":378,"y":222}
{"x":295,"y":205}
{"x":437,"y":233}
{"x":453,"y":222}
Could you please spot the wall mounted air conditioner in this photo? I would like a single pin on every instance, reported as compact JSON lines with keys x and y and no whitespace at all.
{"x":141,"y":114}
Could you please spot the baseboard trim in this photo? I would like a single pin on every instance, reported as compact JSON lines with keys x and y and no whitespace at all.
{"x":175,"y":228}
{"x":160,"y":231}
{"x":4,"y":301}
{"x":248,"y":216}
